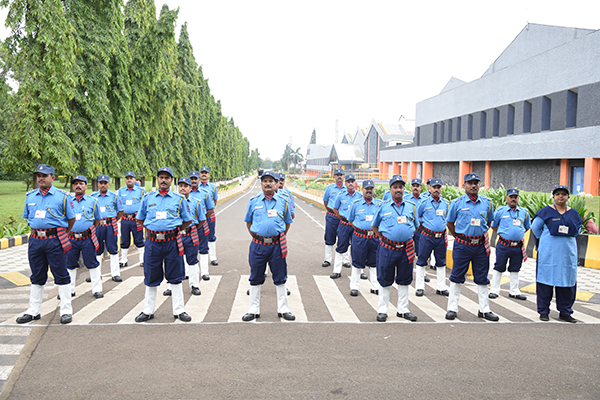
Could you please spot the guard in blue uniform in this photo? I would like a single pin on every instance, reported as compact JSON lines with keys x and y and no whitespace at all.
{"x":131,"y":196}
{"x":331,"y":220}
{"x":364,"y":242}
{"x":211,"y":189}
{"x":49,"y":214}
{"x":432,"y":211}
{"x":163,"y":214}
{"x":341,"y":208}
{"x":510,"y":223}
{"x":268,"y":219}
{"x":469,"y":219}
{"x":111,"y":210}
{"x":395,"y":223}
{"x":83,"y":236}
{"x":417,"y":198}
{"x":208,"y":204}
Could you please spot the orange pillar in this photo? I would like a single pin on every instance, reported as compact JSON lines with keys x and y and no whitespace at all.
{"x":396,"y":168}
{"x":413,"y":171}
{"x":404,"y":170}
{"x":591,"y":179}
{"x":564,"y":172}
{"x":487,"y":175}
{"x":427,"y":170}
{"x":464,"y":167}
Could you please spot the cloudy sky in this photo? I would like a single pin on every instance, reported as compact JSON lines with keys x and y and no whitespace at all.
{"x":283,"y":68}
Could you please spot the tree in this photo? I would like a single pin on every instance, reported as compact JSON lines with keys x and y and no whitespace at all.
{"x":296,"y":157}
{"x":313,"y":137}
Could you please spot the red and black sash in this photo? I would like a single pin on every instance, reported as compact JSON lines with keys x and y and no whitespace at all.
{"x":213,"y":217}
{"x":475,"y":241}
{"x":408,"y":247}
{"x":194,"y":235}
{"x":283,"y":243}
{"x":64,"y":238}
{"x":206,"y":228}
{"x":94,"y":237}
{"x":115,"y":227}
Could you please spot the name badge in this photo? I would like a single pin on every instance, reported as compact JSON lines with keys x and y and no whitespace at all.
{"x":475,"y":222}
{"x":161,"y":215}
{"x":439,"y":212}
{"x":402,"y":219}
{"x":102,"y":209}
{"x":40,"y":213}
{"x":517,"y":222}
{"x":369,"y":218}
{"x":563,"y":229}
{"x":272,"y":213}
{"x":77,"y":217}
{"x":128,"y":202}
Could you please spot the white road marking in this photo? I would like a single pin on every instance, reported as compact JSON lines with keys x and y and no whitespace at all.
{"x":337,"y":305}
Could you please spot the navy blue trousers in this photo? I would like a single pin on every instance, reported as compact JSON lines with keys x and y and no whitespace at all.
{"x":364,"y":251}
{"x":504,"y":254}
{"x":106,"y":236}
{"x":393,"y":265}
{"x":158,"y":254}
{"x":344,"y":234}
{"x":462,"y":256}
{"x":86,"y":248}
{"x":203,"y":247}
{"x":258,"y":257}
{"x":427,"y":245}
{"x":128,"y":228}
{"x":189,"y":250}
{"x":331,"y":228}
{"x":565,"y":298}
{"x":212,"y":225}
{"x":416,"y":240}
{"x":43,"y":253}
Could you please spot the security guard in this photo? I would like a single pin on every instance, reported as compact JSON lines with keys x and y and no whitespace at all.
{"x":83,"y":236}
{"x":211,"y":189}
{"x":131,"y":196}
{"x":163,"y":214}
{"x":510,"y":223}
{"x":49,"y":214}
{"x":111,"y":210}
{"x":268,"y":219}
{"x":341,"y":208}
{"x":432,"y":213}
{"x":469,"y":218}
{"x":364,"y":241}
{"x":331,"y":220}
{"x":416,"y":198}
{"x":395,"y":223}
{"x":208,"y":204}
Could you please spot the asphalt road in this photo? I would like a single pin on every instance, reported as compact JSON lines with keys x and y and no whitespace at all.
{"x":103,"y":354}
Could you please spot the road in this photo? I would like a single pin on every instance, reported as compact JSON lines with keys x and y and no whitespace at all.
{"x":334,"y":349}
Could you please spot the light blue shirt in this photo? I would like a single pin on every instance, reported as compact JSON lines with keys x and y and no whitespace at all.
{"x":268,"y":217}
{"x":397,"y":222}
{"x":471,"y":219}
{"x":331,"y":193}
{"x":131,"y":199}
{"x":362,"y":213}
{"x":211,"y":189}
{"x":196,"y":209}
{"x":164,"y":213}
{"x":343,"y":202}
{"x":511,"y":225}
{"x":86,"y":211}
{"x":433,"y":213}
{"x":203,"y":197}
{"x":54,"y":210}
{"x":109,"y":204}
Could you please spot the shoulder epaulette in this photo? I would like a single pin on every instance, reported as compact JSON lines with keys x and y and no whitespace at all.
{"x":255,"y":197}
{"x":31,"y":191}
{"x":62,"y":191}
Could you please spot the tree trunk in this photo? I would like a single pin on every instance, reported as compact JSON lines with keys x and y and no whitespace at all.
{"x":117,"y":184}
{"x":94,"y":185}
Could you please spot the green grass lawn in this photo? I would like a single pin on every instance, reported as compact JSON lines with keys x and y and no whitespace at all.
{"x":12,"y":200}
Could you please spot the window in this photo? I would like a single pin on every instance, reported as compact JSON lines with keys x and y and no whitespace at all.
{"x":458,"y":128}
{"x":510,"y":120}
{"x":546,"y":106}
{"x":442,"y":132}
{"x":496,"y":123}
{"x":526,"y":116}
{"x":482,"y":126}
{"x":571,"y":108}
{"x":435,"y":133}
{"x":470,"y":127}
{"x":449,"y":130}
{"x":418,"y":136}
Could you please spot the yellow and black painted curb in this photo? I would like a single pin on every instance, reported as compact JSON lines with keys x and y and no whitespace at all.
{"x":5,"y":243}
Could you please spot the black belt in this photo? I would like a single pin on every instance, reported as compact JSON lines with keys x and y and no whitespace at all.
{"x":510,"y":243}
{"x":129,"y":216}
{"x":471,"y":240}
{"x":43,"y":233}
{"x":80,"y":235}
{"x":162,"y":236}
{"x":397,"y":245}
{"x":265,"y":240}
{"x":433,"y":233}
{"x":106,"y":221}
{"x":364,"y":232}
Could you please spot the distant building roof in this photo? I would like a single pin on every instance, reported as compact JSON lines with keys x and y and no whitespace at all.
{"x":452,"y":83}
{"x":317,"y":151}
{"x":393,"y":133}
{"x":359,"y":136}
{"x":346,"y":153}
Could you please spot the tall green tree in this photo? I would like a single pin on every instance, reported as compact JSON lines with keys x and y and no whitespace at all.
{"x":313,"y":137}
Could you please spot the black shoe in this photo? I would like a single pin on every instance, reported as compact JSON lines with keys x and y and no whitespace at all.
{"x":567,"y":318}
{"x":25,"y":318}
{"x":214,"y":262}
{"x":183,"y":317}
{"x":544,"y":317}
{"x":205,"y":278}
{"x":375,"y":291}
{"x":117,"y":278}
{"x":288,"y":316}
{"x":409,"y":316}
{"x":451,"y":315}
{"x":326,"y":264}
{"x":492,"y":295}
{"x":490,"y":316}
{"x":167,"y":292}
{"x":442,"y":292}
{"x":419,"y":292}
{"x":346,"y":265}
{"x":72,"y":295}
{"x":185,"y":278}
{"x":427,"y":279}
{"x":364,"y":276}
{"x":195,"y":291}
{"x":98,"y":295}
{"x":66,"y":319}
{"x":88,"y":279}
{"x":335,"y":275}
{"x":142,"y":265}
{"x":354,"y":292}
{"x":123,"y":265}
{"x":248,"y":292}
{"x":433,"y":267}
{"x":250,"y":317}
{"x":381,"y":317}
{"x":288,"y":291}
{"x":517,"y":296}
{"x":144,"y":317}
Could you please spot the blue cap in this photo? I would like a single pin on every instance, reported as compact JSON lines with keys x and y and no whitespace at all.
{"x":339,"y":171}
{"x":435,"y":182}
{"x":429,"y":181}
{"x":79,"y":178}
{"x":368,"y":183}
{"x":44,"y":169}
{"x":185,"y":180}
{"x":472,"y":176}
{"x":396,"y":178}
{"x":128,"y":174}
{"x":273,"y":175}
{"x":165,"y":169}
{"x":103,"y":178}
{"x":417,"y":181}
{"x":511,"y":192}
{"x":561,"y":187}
{"x":281,"y":176}
{"x":194,"y":174}
{"x":350,"y":177}
{"x":204,"y":169}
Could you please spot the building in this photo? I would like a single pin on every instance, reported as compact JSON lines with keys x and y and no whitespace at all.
{"x":531,"y":121}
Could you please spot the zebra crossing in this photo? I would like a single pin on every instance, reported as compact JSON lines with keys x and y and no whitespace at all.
{"x":334,"y":294}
